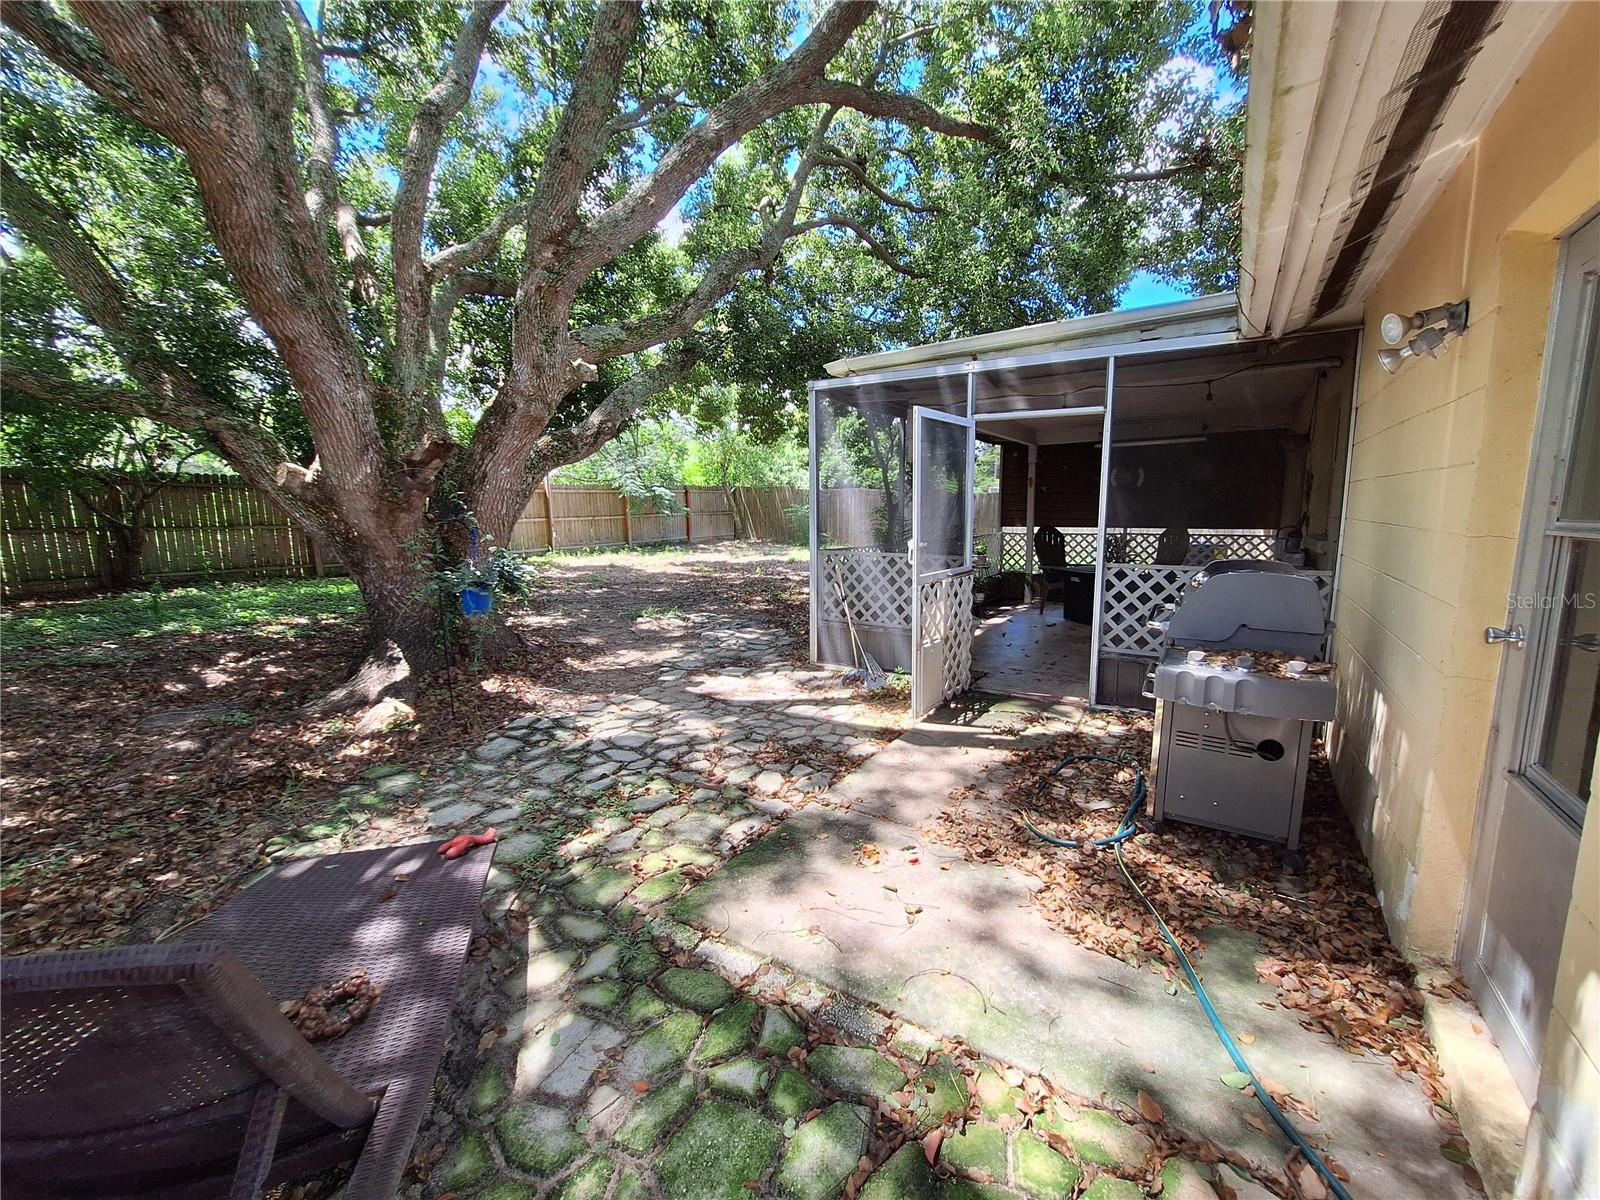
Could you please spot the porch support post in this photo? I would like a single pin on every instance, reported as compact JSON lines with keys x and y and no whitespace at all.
{"x":972,"y":464}
{"x":811,"y":507}
{"x":1100,"y":535}
{"x":1033,"y":463}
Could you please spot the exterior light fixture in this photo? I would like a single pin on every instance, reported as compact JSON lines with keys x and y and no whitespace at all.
{"x":1433,"y":328}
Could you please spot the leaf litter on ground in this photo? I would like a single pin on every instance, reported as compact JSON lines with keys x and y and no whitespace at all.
{"x":1327,"y":951}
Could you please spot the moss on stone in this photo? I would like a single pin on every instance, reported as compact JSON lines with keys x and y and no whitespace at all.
{"x":996,"y":1097}
{"x":743,"y":1078}
{"x":719,"y":1150}
{"x":978,"y":1151}
{"x":489,"y":1088}
{"x":588,"y":1182}
{"x":643,"y":1008}
{"x":662,"y":887}
{"x":966,"y":1189}
{"x":793,"y":1094}
{"x":465,"y":1164}
{"x":906,"y":1176}
{"x":939,"y":1094}
{"x":604,"y":995}
{"x":703,"y":991}
{"x":600,"y":889}
{"x":823,"y":1152}
{"x":665,"y":1044}
{"x":653,"y":1112}
{"x":728,"y":1033}
{"x":641,"y":961}
{"x":505,"y":1189}
{"x":856,"y":1071}
{"x":1183,"y":1180}
{"x":1108,"y":1187}
{"x":632,"y":1186}
{"x":778,"y":1033}
{"x":1097,"y":1137}
{"x":539,"y":1140}
{"x":1042,"y":1172}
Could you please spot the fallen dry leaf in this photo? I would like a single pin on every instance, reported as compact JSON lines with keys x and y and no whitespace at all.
{"x":931,"y":1144}
{"x":1149,"y":1109}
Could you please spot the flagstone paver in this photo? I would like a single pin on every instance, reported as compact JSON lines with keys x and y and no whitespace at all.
{"x":607,"y":1052}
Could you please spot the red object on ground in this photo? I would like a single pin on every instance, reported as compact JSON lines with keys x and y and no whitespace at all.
{"x":462,"y":842}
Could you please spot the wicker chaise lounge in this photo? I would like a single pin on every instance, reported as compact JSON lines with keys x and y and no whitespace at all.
{"x":169,"y":1071}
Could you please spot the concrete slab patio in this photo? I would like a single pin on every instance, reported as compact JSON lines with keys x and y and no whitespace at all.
{"x":851,"y":893}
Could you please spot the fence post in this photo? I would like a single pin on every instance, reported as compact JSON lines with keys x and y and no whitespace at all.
{"x":688,"y":519}
{"x":549,"y":513}
{"x":316,"y":556}
{"x":627,"y":518}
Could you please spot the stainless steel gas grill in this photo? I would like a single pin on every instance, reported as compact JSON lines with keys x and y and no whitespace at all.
{"x":1237,"y":689}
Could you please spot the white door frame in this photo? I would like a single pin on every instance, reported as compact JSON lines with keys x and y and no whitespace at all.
{"x":921,"y":706}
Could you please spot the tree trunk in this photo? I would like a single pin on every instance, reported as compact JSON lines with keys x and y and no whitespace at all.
{"x":121,"y":555}
{"x":409,"y":622}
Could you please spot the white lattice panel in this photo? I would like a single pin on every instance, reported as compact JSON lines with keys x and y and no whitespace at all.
{"x":1135,"y":594}
{"x":947,"y":625}
{"x":1139,"y":545}
{"x":877,"y":584}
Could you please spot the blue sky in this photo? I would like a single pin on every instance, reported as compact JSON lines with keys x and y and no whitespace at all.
{"x":1145,"y":289}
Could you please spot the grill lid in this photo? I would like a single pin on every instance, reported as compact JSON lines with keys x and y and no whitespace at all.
{"x":1248,"y":604}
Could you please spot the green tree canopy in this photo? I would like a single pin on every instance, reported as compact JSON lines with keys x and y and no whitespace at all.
{"x":375,"y":249}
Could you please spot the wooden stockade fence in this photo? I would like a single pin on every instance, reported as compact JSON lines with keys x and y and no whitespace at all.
{"x":218,"y":527}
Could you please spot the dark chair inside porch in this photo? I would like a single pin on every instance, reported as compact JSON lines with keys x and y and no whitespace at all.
{"x":169,"y":1071}
{"x":1050,"y":549}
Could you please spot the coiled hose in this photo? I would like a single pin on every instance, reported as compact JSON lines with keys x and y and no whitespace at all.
{"x":1125,"y":830}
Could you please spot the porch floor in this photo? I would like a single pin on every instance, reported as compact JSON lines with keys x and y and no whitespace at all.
{"x":924,"y":934}
{"x":1019,"y":651}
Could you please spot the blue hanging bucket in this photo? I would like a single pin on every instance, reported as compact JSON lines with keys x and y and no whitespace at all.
{"x":476,"y":601}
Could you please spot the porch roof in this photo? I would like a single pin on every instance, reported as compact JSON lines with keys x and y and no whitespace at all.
{"x":1216,"y":314}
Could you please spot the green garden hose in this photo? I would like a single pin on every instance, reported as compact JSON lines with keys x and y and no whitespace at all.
{"x":1125,"y":830}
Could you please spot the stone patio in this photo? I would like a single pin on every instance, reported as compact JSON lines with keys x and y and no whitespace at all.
{"x":802,"y":1031}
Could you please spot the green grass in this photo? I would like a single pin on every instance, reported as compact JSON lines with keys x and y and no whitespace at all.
{"x":60,"y":624}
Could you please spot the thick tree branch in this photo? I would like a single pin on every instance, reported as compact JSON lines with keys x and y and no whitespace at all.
{"x":326,"y":202}
{"x":481,"y":245}
{"x":791,"y":82}
{"x":639,"y":115}
{"x":222,"y":101}
{"x":558,"y":447}
{"x":77,"y":52}
{"x":580,"y":134}
{"x":897,"y":106}
{"x":439,"y":107}
{"x":1203,"y":159}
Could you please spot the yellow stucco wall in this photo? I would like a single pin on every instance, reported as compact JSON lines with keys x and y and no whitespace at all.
{"x":1438,"y":470}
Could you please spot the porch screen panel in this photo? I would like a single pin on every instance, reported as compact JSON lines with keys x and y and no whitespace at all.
{"x":863,"y":527}
{"x":1209,"y":459}
{"x":943,"y":510}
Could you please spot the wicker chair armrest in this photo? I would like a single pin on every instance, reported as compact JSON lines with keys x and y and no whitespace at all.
{"x":220,"y":987}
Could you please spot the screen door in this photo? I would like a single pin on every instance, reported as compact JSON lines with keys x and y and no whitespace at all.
{"x":942,"y":448}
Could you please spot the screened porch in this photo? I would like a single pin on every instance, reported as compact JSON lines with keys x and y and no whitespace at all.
{"x":1014,"y":524}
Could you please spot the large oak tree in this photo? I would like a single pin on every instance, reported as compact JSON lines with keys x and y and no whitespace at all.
{"x":549,"y":213}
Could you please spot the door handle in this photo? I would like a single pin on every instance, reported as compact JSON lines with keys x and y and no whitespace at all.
{"x":1586,"y":641}
{"x":1514,"y":637}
